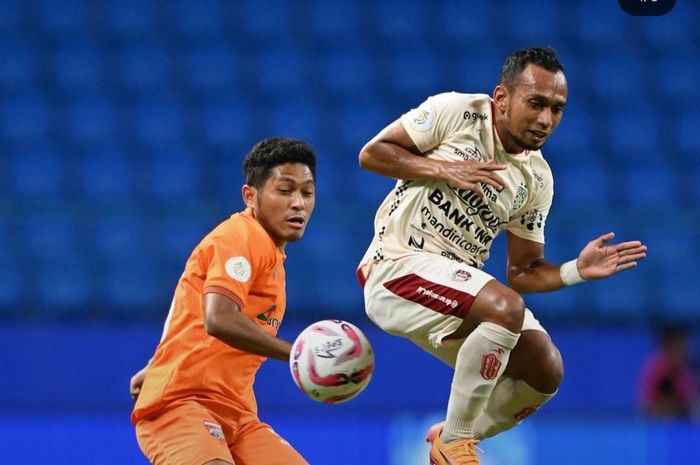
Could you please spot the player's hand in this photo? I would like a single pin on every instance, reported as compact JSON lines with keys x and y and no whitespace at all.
{"x":468,"y":174}
{"x":598,"y":260}
{"x":136,"y":382}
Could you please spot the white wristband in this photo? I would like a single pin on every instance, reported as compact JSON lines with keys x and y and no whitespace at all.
{"x":569,"y":273}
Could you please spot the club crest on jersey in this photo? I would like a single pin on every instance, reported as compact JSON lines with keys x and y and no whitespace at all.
{"x":461,"y":276}
{"x":238,"y":268}
{"x":214,"y":429}
{"x":422,"y":118}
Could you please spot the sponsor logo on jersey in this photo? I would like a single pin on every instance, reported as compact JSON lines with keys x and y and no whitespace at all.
{"x":214,"y":429}
{"x":431,"y":295}
{"x":268,"y":316}
{"x":238,"y":268}
{"x":422,"y":118}
{"x":474,"y":116}
{"x":469,"y":153}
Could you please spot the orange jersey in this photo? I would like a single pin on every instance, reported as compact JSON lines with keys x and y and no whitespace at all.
{"x":239,"y":260}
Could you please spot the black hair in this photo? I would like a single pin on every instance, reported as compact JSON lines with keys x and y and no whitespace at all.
{"x":518,"y":60}
{"x":274,"y":151}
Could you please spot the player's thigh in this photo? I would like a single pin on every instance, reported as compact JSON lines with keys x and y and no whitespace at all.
{"x":184,"y":434}
{"x":258,"y":444}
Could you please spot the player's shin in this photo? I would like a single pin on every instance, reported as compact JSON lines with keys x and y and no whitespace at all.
{"x":511,"y":402}
{"x":480,"y":362}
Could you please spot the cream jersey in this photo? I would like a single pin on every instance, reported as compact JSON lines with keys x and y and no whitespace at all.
{"x":434,"y":217}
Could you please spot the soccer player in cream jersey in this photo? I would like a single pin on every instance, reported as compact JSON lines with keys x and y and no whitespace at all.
{"x":469,"y":166}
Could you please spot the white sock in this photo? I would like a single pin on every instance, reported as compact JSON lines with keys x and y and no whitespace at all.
{"x":510,"y":403}
{"x":480,"y":362}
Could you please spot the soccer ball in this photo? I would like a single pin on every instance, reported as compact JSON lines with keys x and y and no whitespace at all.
{"x":331,"y":361}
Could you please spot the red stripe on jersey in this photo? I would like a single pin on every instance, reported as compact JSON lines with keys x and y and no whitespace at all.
{"x":434,"y":296}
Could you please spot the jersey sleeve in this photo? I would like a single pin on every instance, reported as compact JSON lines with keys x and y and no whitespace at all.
{"x":231,"y":266}
{"x":529,"y":222}
{"x":434,"y":120}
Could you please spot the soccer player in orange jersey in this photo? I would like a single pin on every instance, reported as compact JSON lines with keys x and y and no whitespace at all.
{"x":195,"y":403}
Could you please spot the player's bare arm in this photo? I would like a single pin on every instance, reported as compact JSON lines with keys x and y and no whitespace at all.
{"x":223,"y":320}
{"x":392,"y":153}
{"x":528,"y":271}
{"x":136,"y":382}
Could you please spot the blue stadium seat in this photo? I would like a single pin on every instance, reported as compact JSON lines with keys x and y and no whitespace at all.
{"x":338,"y":20}
{"x":19,"y":63}
{"x":572,"y":138}
{"x":552,"y":307}
{"x":38,"y":171}
{"x":78,"y":66}
{"x":670,"y":248}
{"x":131,"y":18}
{"x":599,"y":26}
{"x":679,"y":85}
{"x":24,"y":118}
{"x":634,"y":135}
{"x":12,"y":291}
{"x":671,"y":31}
{"x":180,"y":235}
{"x":63,"y":287}
{"x":159,"y":122}
{"x":300,"y":119}
{"x":416,"y":73}
{"x":174,"y":174}
{"x":117,"y":235}
{"x":92,"y":119}
{"x":144,"y":66}
{"x":348,"y":71}
{"x":50,"y":236}
{"x":106,"y":174}
{"x":618,"y":78}
{"x":228,"y":125}
{"x":213,"y":68}
{"x":133,"y":288}
{"x":624,"y":297}
{"x":532,"y":22}
{"x":268,"y":21}
{"x":687,"y":136}
{"x":584,"y":183}
{"x":461,"y":24}
{"x":361,"y":119}
{"x":399,"y":22}
{"x":64,"y":17}
{"x":477,"y":70}
{"x":281,"y":71}
{"x":201,"y":18}
{"x":650,"y":185}
{"x":678,"y":293}
{"x":10,"y":18}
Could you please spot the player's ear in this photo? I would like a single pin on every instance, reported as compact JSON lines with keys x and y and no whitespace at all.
{"x":250,"y":195}
{"x":500,"y":98}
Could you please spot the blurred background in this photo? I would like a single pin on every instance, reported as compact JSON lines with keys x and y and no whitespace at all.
{"x":123,"y":126}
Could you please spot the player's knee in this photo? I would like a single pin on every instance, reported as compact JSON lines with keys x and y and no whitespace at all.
{"x":552,"y":369}
{"x":508,"y":310}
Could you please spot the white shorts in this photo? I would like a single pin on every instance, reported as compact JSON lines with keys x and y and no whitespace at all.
{"x":425,"y":297}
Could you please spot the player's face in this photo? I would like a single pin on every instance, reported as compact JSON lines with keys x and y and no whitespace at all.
{"x":284,"y":203}
{"x":532,"y":109}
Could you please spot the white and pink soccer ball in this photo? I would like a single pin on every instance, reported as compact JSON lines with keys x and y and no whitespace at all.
{"x":331,"y":361}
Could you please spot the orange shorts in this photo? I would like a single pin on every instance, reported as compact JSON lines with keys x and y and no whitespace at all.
{"x":188,"y":433}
